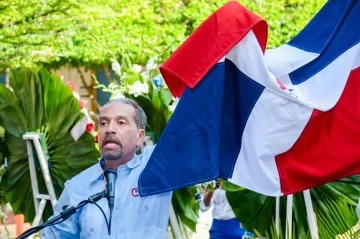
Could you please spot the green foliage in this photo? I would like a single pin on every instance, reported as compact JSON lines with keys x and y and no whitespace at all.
{"x":336,"y":219}
{"x":89,"y":33}
{"x":52,"y":33}
{"x":272,"y":233}
{"x":256,"y":211}
{"x":185,"y":206}
{"x":285,"y":18}
{"x":41,"y":103}
{"x":3,"y":202}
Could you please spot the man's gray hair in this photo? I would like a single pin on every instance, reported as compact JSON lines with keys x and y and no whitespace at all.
{"x":140,"y":116}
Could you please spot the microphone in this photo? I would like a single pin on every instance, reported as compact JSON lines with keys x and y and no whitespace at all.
{"x":110,"y":177}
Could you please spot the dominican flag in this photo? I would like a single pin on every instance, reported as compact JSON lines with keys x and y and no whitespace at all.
{"x":277,"y":121}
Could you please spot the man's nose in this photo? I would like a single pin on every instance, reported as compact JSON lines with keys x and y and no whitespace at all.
{"x":111,"y":129}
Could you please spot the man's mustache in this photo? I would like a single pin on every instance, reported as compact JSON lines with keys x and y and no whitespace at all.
{"x":111,"y":139}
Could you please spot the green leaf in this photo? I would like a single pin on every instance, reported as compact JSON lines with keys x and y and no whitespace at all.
{"x":165,"y":96}
{"x":256,"y":211}
{"x":41,"y":103}
{"x":131,"y":77}
{"x":230,"y":187}
{"x":335,"y":219}
{"x":184,"y":204}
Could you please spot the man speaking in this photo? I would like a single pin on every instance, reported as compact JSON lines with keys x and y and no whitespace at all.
{"x":121,"y":130}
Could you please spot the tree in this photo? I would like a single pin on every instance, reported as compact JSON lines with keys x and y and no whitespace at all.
{"x":52,"y":33}
{"x":28,"y":29}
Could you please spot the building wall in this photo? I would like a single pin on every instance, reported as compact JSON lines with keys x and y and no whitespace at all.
{"x":103,"y":97}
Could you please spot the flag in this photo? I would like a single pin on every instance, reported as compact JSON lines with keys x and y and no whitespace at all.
{"x":273,"y":121}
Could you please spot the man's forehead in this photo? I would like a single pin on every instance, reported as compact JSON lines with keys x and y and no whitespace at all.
{"x":117,"y":108}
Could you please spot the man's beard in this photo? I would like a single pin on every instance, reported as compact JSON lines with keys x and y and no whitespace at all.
{"x":111,"y":154}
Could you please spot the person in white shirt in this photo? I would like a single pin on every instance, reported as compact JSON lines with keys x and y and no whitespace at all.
{"x":225,"y":223}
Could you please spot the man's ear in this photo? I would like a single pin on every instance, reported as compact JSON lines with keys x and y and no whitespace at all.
{"x":141,"y":137}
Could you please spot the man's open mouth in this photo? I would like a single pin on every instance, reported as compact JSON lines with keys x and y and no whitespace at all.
{"x":111,"y":143}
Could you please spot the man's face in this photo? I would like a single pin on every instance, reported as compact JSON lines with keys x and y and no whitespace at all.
{"x":118,"y":134}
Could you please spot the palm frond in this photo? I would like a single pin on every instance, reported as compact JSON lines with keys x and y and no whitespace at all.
{"x":338,"y":219}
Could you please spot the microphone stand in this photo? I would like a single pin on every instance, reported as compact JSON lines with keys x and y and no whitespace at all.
{"x":65,"y":214}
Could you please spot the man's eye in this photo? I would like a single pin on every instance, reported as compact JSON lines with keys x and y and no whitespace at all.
{"x":102,"y":123}
{"x":122,"y":122}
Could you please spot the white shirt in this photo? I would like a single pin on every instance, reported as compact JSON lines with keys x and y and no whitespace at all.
{"x":222,"y":209}
{"x":133,"y":216}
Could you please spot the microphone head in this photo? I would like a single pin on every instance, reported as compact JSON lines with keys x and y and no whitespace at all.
{"x":110,"y":177}
{"x":110,"y":171}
